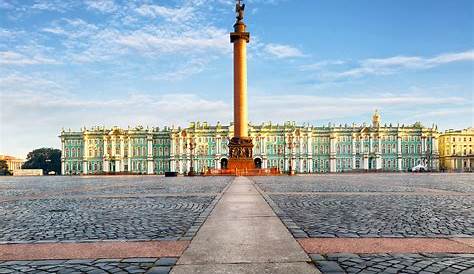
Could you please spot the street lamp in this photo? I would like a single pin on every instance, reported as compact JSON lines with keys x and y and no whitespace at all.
{"x":291,"y":146}
{"x":47,"y":161}
{"x":191,"y":145}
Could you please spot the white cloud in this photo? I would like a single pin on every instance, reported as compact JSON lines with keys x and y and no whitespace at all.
{"x":180,"y":14}
{"x":327,"y":70}
{"x":106,"y":6}
{"x":321,"y":65}
{"x":283,"y":51}
{"x":15,"y":58}
{"x":53,"y":5}
{"x":183,"y":71}
{"x":159,"y":41}
{"x":310,"y":108}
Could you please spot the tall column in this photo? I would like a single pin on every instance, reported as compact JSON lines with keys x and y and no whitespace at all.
{"x":240,"y":146}
{"x":240,"y":41}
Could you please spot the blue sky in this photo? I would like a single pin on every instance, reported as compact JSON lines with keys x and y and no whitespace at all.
{"x":109,"y":62}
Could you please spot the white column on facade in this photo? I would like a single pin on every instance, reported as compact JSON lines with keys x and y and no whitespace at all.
{"x":105,"y":163}
{"x":399,"y":153}
{"x":264,"y":142}
{"x":122,"y":154}
{"x":378,"y":161}
{"x":353,"y":150}
{"x":332,"y":154}
{"x":434,"y":153}
{"x":370,"y":144}
{"x":173,"y":156}
{"x":84,"y":167}
{"x":310,"y":145}
{"x":62,"y":156}
{"x":150,"y":155}
{"x":173,"y":166}
{"x":423,"y":145}
{"x":366,"y":162}
{"x":129,"y":156}
{"x":113,"y":142}
{"x":310,"y":153}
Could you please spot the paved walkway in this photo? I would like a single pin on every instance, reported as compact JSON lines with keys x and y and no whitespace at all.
{"x":243,"y":235}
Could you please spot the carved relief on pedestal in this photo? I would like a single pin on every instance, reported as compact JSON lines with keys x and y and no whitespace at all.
{"x":241,"y":148}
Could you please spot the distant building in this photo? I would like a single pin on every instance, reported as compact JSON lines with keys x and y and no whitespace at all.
{"x":305,"y":149}
{"x":12,"y":162}
{"x":28,"y":172}
{"x":456,"y":150}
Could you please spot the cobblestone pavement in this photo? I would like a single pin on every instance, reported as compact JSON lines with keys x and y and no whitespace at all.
{"x":99,"y":219}
{"x":372,"y":205}
{"x":21,"y":187}
{"x":94,"y":266}
{"x":368,"y":183}
{"x":379,"y":215}
{"x":68,"y":208}
{"x":394,"y":263}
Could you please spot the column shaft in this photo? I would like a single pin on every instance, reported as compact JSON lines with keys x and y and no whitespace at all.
{"x":240,"y":89}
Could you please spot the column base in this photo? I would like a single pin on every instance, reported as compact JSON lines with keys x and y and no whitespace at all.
{"x":241,"y":154}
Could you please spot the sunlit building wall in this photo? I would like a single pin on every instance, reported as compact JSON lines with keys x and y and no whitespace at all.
{"x":456,"y":150}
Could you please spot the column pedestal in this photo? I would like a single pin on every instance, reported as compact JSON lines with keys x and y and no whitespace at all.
{"x":241,"y":154}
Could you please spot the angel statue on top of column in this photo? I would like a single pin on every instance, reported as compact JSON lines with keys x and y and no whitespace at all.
{"x":239,"y":10}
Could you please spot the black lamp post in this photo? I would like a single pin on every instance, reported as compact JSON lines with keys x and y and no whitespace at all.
{"x":191,"y":146}
{"x":291,"y":146}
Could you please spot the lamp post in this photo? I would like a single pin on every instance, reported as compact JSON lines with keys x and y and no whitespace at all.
{"x":48,"y":166}
{"x":291,"y":146}
{"x":191,"y":145}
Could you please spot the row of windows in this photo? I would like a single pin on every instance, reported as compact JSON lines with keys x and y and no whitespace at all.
{"x":460,"y":139}
{"x":136,"y":141}
{"x":463,"y":152}
{"x":73,"y":142}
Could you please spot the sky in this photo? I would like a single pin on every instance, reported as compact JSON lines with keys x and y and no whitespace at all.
{"x":70,"y":64}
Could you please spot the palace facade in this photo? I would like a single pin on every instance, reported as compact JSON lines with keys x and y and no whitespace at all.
{"x":456,"y":150}
{"x":302,"y":148}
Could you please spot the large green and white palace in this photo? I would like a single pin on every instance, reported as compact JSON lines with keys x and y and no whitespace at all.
{"x":303,"y":149}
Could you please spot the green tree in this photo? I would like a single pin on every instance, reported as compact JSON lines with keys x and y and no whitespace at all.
{"x":4,"y":168}
{"x":47,"y":159}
